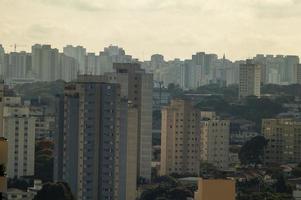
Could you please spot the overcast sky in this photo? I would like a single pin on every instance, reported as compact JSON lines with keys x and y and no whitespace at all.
{"x":174,"y":28}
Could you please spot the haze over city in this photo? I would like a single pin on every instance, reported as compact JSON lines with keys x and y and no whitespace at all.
{"x":174,"y":28}
{"x":150,"y":100}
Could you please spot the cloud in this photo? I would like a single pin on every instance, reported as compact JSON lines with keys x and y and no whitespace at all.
{"x":81,"y":5}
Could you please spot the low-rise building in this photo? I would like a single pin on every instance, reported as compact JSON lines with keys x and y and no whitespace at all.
{"x":215,"y":189}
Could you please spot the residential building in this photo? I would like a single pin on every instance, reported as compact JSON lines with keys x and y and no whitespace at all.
{"x":299,"y":73}
{"x":283,"y":136}
{"x":3,"y":162}
{"x":137,"y":87}
{"x":17,"y":194}
{"x":214,"y":142}
{"x":45,"y":62}
{"x":2,"y":61}
{"x":297,"y":192}
{"x":89,"y":152}
{"x":19,"y":129}
{"x":79,"y":54}
{"x":215,"y":189}
{"x":249,"y":79}
{"x":128,"y":151}
{"x":180,"y":139}
{"x":18,"y":66}
{"x":2,"y":87}
{"x":68,"y":67}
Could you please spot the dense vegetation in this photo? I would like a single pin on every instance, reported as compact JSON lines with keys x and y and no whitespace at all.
{"x":252,"y":151}
{"x":58,"y":191}
{"x":44,"y":160}
{"x":167,"y":188}
{"x":45,"y":92}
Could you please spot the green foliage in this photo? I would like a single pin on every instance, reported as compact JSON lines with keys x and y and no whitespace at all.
{"x":263,"y":196}
{"x":252,"y":151}
{"x":45,"y":91}
{"x":281,"y":185}
{"x":167,"y":188}
{"x":282,"y":90}
{"x":44,"y":160}
{"x":297,"y":171}
{"x":175,"y":90}
{"x":57,"y":191}
{"x":2,"y":170}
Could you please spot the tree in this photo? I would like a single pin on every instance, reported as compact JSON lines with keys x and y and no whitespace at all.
{"x":166,"y":188}
{"x":57,"y":191}
{"x":252,"y":152}
{"x":44,"y":160}
{"x":2,"y":170}
{"x":281,"y":186}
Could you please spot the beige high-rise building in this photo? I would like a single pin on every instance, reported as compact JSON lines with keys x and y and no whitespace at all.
{"x":214,"y":142}
{"x":249,"y":79}
{"x":284,"y":136}
{"x":3,"y":162}
{"x":215,"y":189}
{"x":137,"y":88}
{"x":180,"y":138}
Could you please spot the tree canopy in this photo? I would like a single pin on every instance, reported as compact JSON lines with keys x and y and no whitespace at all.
{"x":252,"y":151}
{"x":57,"y":191}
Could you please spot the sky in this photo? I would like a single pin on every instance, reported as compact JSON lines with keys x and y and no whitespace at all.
{"x":175,"y":28}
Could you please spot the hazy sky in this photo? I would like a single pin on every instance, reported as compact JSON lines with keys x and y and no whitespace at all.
{"x":175,"y":28}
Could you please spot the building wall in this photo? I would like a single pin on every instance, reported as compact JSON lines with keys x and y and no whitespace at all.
{"x":20,"y":132}
{"x":137,"y":88}
{"x":283,"y":137}
{"x":215,"y":190}
{"x":91,"y":140}
{"x":214,"y":142}
{"x":249,"y":79}
{"x":180,"y":139}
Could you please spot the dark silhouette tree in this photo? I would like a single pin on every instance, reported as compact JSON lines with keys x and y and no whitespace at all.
{"x":57,"y":191}
{"x":252,"y":152}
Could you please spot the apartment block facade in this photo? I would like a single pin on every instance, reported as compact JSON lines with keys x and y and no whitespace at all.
{"x":249,"y":79}
{"x":284,"y":140}
{"x":180,"y":139}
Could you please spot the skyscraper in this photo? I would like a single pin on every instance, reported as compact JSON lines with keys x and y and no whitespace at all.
{"x":79,"y":54}
{"x":299,"y":73}
{"x":2,"y":66}
{"x":137,"y":87}
{"x":180,"y":139}
{"x":249,"y":79}
{"x":88,"y":138}
{"x":19,"y":129}
{"x":45,"y":62}
{"x":19,"y":65}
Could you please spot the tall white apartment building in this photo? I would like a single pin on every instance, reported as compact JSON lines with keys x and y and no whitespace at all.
{"x":214,"y":142}
{"x":19,"y":129}
{"x":79,"y":54}
{"x":249,"y":79}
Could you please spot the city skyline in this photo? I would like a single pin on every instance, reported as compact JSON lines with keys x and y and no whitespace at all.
{"x":177,"y":28}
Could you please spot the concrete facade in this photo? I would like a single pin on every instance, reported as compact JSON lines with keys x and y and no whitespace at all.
{"x":283,"y":137}
{"x":249,"y":79}
{"x":215,"y":189}
{"x":180,"y":139}
{"x":214,"y":142}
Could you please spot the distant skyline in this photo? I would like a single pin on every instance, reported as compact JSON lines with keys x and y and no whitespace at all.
{"x":173,"y":28}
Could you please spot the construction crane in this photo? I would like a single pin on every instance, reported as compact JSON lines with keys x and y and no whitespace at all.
{"x":17,"y":45}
